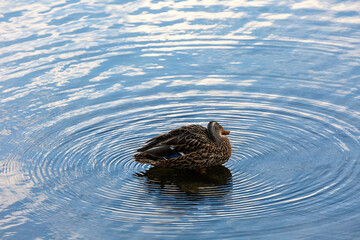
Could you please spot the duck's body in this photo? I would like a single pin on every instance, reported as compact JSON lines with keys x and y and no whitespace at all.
{"x":187,"y":147}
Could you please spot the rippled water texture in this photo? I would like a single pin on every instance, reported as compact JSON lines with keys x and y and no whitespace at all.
{"x":83,"y":84}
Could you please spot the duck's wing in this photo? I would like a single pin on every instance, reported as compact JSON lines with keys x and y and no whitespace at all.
{"x":175,"y":143}
{"x":180,"y":137}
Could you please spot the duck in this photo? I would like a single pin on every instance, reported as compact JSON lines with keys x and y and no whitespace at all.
{"x":188,"y":147}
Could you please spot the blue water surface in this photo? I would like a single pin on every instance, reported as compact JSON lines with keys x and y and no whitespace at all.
{"x":83,"y":84}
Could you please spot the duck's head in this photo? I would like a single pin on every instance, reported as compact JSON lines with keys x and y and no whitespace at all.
{"x":216,"y":132}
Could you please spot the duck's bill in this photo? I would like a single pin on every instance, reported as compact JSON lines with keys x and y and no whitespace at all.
{"x":225,"y":132}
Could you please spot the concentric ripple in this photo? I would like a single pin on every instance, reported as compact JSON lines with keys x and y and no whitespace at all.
{"x":86,"y":83}
{"x":291,"y":157}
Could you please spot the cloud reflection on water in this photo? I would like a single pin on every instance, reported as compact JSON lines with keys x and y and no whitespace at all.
{"x":88,"y":80}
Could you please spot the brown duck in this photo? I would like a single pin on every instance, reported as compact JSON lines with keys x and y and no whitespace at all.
{"x":187,"y":147}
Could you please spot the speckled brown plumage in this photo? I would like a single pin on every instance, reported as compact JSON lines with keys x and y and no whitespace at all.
{"x":187,"y":147}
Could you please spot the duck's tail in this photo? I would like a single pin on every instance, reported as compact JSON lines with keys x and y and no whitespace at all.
{"x":155,"y":155}
{"x":146,"y":158}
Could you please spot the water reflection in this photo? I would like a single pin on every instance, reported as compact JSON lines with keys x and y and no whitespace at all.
{"x":216,"y":181}
{"x":83,"y":83}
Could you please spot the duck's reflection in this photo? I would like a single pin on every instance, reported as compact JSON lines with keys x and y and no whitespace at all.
{"x":216,"y":181}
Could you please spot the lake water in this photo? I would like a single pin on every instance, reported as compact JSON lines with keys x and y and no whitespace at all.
{"x":83,"y":84}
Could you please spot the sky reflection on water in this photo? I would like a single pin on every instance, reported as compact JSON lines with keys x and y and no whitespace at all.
{"x":83,"y":84}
